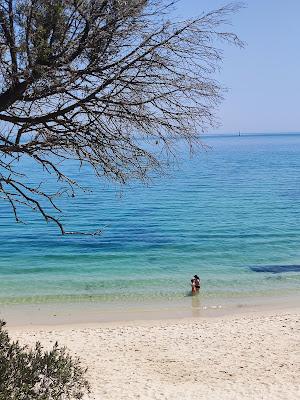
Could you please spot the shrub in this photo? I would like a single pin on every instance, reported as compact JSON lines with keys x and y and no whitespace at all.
{"x":29,"y":374}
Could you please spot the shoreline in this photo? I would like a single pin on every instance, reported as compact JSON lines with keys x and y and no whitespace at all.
{"x":93,"y":314}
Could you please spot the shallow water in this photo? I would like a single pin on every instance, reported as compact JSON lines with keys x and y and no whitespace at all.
{"x":230,"y":214}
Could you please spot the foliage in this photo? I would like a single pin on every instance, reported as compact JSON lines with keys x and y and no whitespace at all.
{"x":38,"y":374}
{"x":94,"y":81}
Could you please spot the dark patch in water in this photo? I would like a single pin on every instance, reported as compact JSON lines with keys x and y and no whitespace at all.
{"x":278,"y":278}
{"x":276,"y":269}
{"x":152,"y":259}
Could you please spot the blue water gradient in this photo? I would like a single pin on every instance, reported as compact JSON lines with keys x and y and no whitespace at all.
{"x":231,"y":214}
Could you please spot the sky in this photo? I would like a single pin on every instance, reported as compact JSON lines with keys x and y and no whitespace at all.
{"x":263,"y":78}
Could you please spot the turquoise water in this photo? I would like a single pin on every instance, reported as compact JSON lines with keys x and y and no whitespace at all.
{"x":231,"y":214}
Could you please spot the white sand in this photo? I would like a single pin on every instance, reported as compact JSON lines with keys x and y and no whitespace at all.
{"x":249,"y":357}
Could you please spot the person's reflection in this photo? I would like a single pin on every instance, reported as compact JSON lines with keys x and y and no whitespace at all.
{"x":196,"y":305}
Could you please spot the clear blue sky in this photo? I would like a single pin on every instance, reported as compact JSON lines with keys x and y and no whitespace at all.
{"x":263,"y":78}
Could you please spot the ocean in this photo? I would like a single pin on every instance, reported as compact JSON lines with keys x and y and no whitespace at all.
{"x":230,"y":213}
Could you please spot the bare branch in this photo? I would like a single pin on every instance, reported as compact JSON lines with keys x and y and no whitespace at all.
{"x":94,"y":81}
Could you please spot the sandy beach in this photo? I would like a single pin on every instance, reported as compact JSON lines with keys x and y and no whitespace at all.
{"x":245,"y":356}
{"x":149,"y":200}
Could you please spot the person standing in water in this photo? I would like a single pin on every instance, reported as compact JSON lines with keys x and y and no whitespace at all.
{"x":195,"y":283}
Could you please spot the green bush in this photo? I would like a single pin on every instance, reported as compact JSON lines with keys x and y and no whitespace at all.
{"x":29,"y":374}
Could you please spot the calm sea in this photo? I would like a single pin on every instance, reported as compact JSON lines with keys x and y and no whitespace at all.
{"x":231,"y":214}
